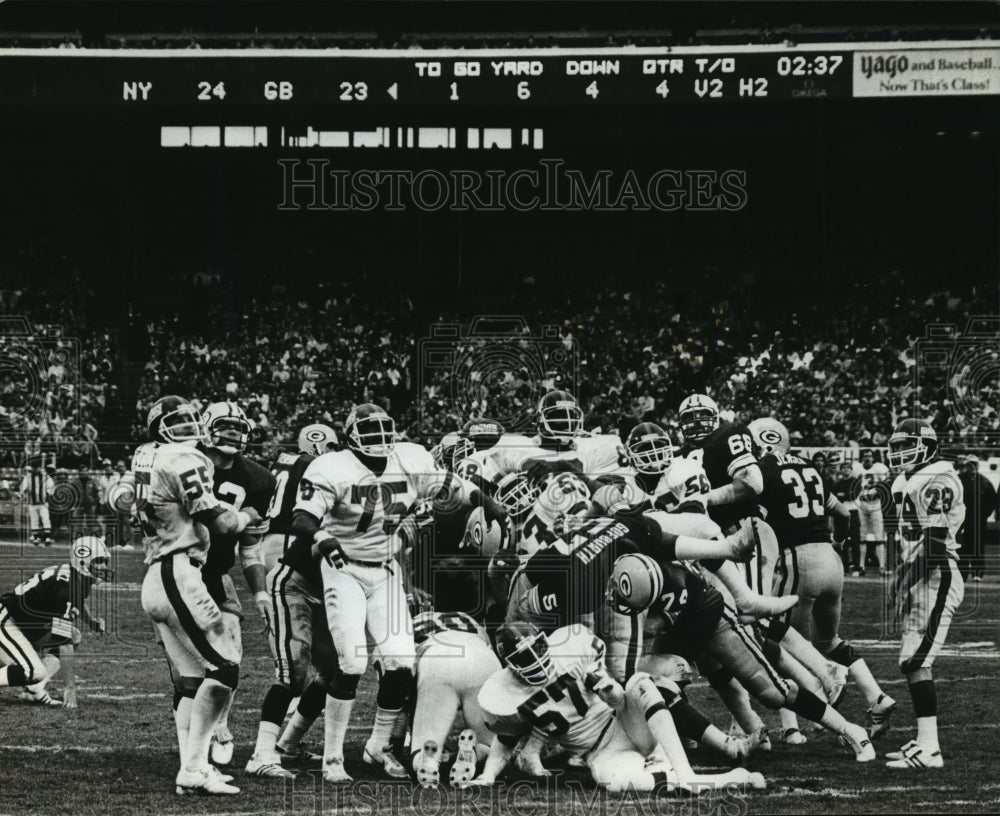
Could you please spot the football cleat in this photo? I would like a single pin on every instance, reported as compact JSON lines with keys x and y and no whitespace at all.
{"x":737,"y":748}
{"x":836,"y":684}
{"x":334,"y":772}
{"x":426,"y":766}
{"x":464,"y":767}
{"x":384,"y":757}
{"x":297,"y":756}
{"x":203,"y":783}
{"x":856,"y":738}
{"x":221,"y":747}
{"x":914,"y":755}
{"x":227,"y":778}
{"x":879,"y":715}
{"x":39,"y":698}
{"x":793,"y":736}
{"x":268,"y":766}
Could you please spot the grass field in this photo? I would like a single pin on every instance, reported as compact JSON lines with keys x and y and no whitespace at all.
{"x":116,"y":754}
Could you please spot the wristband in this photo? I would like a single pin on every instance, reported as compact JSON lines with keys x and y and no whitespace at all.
{"x":261,"y":597}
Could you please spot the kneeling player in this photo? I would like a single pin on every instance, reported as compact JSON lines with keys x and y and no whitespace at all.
{"x":558,"y":685}
{"x":454,"y":660}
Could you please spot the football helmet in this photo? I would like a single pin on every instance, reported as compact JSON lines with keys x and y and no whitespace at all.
{"x":481,"y":536}
{"x":89,"y":557}
{"x":174,"y":419}
{"x":461,"y":450}
{"x":560,"y":418}
{"x":516,"y":495}
{"x":649,"y":448}
{"x":562,"y":496}
{"x":443,"y":451}
{"x":698,"y":417}
{"x":524,"y":648}
{"x":912,"y":443}
{"x":370,"y":431}
{"x":686,"y":481}
{"x":226,"y":427}
{"x":484,"y":433}
{"x":317,"y":439}
{"x":636,"y":583}
{"x":769,"y":435}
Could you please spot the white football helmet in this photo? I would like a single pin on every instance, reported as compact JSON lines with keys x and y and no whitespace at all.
{"x":370,"y":431}
{"x":226,"y":427}
{"x":89,"y":557}
{"x":770,"y":435}
{"x":317,"y":439}
{"x":698,"y":417}
{"x":516,"y":495}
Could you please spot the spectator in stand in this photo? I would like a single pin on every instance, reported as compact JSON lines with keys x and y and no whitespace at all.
{"x":848,"y":530}
{"x":980,"y":504}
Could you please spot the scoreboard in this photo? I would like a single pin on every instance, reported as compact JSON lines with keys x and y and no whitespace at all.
{"x":122,"y":82}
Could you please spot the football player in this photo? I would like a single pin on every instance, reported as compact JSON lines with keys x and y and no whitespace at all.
{"x":454,"y":660}
{"x":299,"y":638}
{"x":239,"y":482}
{"x":172,"y":488}
{"x":350,"y":504}
{"x":38,"y":621}
{"x":872,"y":474}
{"x":725,"y":452}
{"x":693,"y":620}
{"x":927,"y":586}
{"x":797,"y":502}
{"x":558,"y":685}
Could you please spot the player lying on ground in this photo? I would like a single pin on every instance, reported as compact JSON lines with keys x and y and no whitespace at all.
{"x":558,"y":685}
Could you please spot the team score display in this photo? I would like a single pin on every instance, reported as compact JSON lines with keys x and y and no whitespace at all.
{"x":207,"y":91}
{"x":801,"y":65}
{"x":808,"y":489}
{"x":547,"y":709}
{"x":353,"y":91}
{"x":523,"y":90}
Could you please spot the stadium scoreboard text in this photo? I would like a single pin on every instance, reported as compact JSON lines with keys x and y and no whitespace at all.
{"x":482,"y":78}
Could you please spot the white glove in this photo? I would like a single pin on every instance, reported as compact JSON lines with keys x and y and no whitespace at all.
{"x":264,"y":608}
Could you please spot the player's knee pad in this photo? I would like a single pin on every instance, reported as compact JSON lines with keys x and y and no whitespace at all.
{"x":642,"y":692}
{"x":394,"y":688}
{"x":228,"y":675}
{"x":343,"y":686}
{"x":843,"y":653}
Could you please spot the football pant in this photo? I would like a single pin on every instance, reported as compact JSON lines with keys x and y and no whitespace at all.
{"x":815,"y":573}
{"x":932,"y":604}
{"x":299,"y":638}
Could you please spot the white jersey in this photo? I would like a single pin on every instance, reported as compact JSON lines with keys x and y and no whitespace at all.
{"x":929,"y":497}
{"x":361,"y":510}
{"x":598,"y":455}
{"x":172,"y":483}
{"x":869,"y":477}
{"x":480,"y":468}
{"x":565,"y":709}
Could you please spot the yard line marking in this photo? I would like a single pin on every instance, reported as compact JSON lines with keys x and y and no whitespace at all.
{"x":149,"y":696}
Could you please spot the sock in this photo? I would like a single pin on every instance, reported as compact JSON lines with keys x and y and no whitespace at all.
{"x":737,"y":700}
{"x":866,"y":682}
{"x":924,"y":696}
{"x":385,"y":720}
{"x":182,"y":719}
{"x":661,"y":725}
{"x":206,"y":708}
{"x":880,"y":555}
{"x":222,"y":727}
{"x":12,"y":676}
{"x":813,"y":708}
{"x":808,"y":655}
{"x":309,"y":707}
{"x":398,"y":736}
{"x":272,"y":714}
{"x":336,"y":715}
{"x":788,"y":720}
